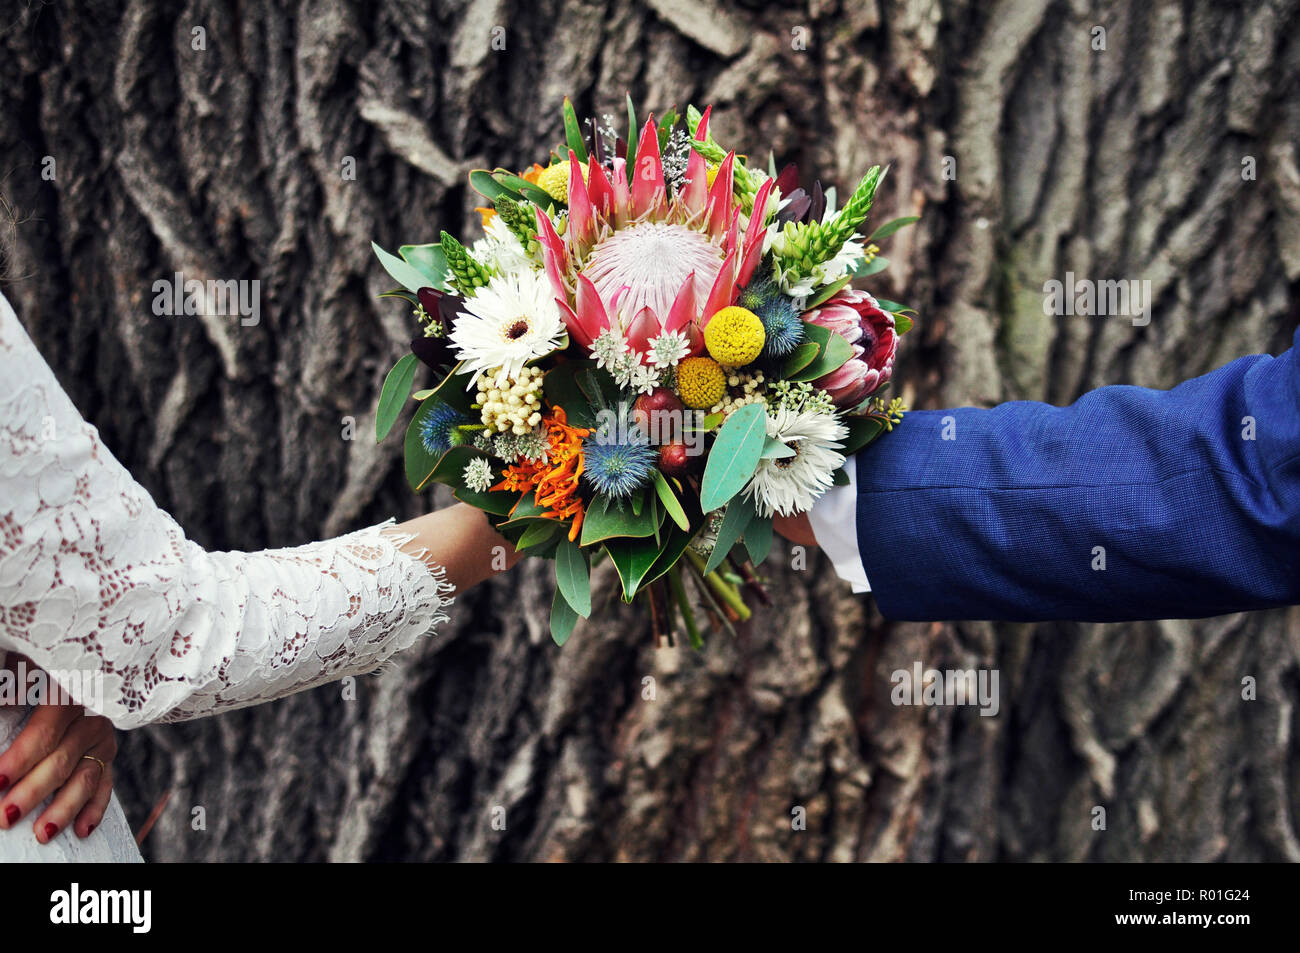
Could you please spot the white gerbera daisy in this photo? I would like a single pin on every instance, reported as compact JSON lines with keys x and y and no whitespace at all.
{"x":478,"y":475}
{"x":790,"y":485}
{"x":510,"y":322}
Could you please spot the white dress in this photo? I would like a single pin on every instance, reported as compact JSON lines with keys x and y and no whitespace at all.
{"x":100,"y":587}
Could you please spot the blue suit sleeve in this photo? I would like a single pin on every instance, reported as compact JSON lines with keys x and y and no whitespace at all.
{"x":1129,"y":504}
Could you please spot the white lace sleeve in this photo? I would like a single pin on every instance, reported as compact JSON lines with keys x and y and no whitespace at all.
{"x":100,"y":587}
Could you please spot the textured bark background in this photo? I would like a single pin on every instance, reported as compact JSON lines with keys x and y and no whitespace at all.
{"x":227,"y":162}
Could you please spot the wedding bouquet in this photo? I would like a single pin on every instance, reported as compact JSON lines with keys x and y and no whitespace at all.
{"x":652,"y":350}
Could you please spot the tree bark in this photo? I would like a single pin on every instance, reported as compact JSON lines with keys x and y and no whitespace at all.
{"x":1028,"y":151}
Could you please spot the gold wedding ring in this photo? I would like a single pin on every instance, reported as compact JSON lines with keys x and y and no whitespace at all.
{"x":102,"y":765}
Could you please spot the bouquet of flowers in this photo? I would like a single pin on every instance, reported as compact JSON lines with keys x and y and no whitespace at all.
{"x":653,"y":349}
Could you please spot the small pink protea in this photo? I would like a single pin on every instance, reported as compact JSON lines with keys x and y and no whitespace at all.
{"x":855,"y":316}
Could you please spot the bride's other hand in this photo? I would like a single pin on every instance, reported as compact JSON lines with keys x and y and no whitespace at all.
{"x":65,"y":750}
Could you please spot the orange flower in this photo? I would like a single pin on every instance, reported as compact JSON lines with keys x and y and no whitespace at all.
{"x":556,"y":479}
{"x":485,"y":214}
{"x":530,"y":175}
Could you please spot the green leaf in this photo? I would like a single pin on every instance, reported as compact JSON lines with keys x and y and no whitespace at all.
{"x":638,"y":503}
{"x":485,"y":184}
{"x":633,"y":559}
{"x":561,"y":388}
{"x":513,"y":184}
{"x":740,"y":513}
{"x":758,"y":539}
{"x":540,"y":532}
{"x":605,"y":520}
{"x":862,"y":267}
{"x":803,"y":355}
{"x":839,"y":477}
{"x":775,"y":449}
{"x":884,"y":231}
{"x":429,"y":261}
{"x":631,"y":138}
{"x":670,"y":501}
{"x":828,"y":292}
{"x":404,"y":274}
{"x":832,"y":357}
{"x":573,"y":132}
{"x":496,"y":502}
{"x":735,"y":454}
{"x":563,"y":619}
{"x":893,"y":306}
{"x":397,"y":386}
{"x":403,"y":294}
{"x":862,"y":430}
{"x":573,"y":577}
{"x":902,"y":323}
{"x":669,"y":553}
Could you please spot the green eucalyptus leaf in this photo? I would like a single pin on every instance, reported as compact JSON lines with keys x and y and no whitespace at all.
{"x":397,"y":386}
{"x":775,"y":449}
{"x":740,"y":513}
{"x":406,"y":275}
{"x":758,"y":539}
{"x":429,"y":261}
{"x":902,"y":323}
{"x":736,"y":451}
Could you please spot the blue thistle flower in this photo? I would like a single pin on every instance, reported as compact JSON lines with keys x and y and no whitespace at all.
{"x":781,"y":323}
{"x":618,"y":458}
{"x":437,"y":426}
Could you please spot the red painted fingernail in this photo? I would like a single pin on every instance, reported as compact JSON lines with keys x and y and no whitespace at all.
{"x":89,"y":829}
{"x":4,"y":780}
{"x":50,"y":831}
{"x":12,"y":813}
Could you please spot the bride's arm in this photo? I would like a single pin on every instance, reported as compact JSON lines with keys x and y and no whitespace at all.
{"x":102,"y":589}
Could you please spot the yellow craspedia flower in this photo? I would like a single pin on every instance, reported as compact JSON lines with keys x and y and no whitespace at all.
{"x":734,"y":336}
{"x":554,"y":180}
{"x":701,"y":382}
{"x":710,"y":173}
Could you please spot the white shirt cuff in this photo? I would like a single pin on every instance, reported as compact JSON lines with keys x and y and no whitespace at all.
{"x":834,"y":520}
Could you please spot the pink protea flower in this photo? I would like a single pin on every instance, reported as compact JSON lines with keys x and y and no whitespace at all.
{"x":642,"y":261}
{"x":856,"y":317}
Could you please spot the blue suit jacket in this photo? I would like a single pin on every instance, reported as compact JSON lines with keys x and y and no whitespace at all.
{"x":1015,"y":515}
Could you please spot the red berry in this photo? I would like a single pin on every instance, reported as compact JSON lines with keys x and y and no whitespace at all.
{"x":659,"y":413}
{"x":674,"y":460}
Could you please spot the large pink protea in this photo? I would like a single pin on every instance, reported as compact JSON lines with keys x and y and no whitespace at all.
{"x":855,"y":316}
{"x":635,"y":259}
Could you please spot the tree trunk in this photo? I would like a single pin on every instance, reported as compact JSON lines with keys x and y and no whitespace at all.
{"x":1029,"y":152}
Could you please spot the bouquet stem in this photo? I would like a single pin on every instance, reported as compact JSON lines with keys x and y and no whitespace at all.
{"x":725,"y":591}
{"x":684,"y":606}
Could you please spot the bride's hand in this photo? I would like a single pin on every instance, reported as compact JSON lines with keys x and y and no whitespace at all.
{"x":60,"y":749}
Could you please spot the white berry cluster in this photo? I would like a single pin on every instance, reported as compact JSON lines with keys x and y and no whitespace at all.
{"x":742,"y":389}
{"x":516,"y":408}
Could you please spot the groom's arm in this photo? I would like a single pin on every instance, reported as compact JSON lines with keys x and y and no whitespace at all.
{"x":1129,"y":504}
